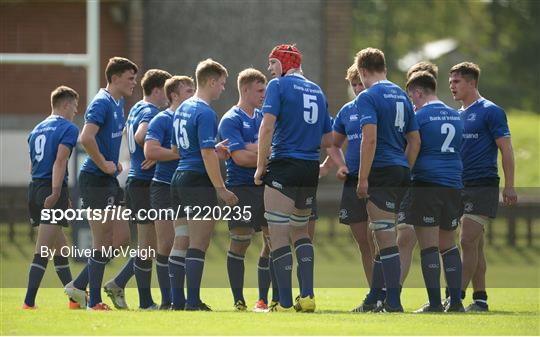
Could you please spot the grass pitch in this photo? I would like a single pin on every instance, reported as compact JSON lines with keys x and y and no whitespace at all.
{"x":514,"y":312}
{"x":514,"y":298}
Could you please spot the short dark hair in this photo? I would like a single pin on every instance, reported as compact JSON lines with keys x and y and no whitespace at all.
{"x":61,"y":94}
{"x":117,"y":66}
{"x":172,"y":84}
{"x":423,"y":80}
{"x":424,"y":66}
{"x":208,"y":69}
{"x":371,"y":59}
{"x":154,"y":78}
{"x":469,"y":70}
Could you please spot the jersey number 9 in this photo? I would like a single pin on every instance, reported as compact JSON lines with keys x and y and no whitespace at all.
{"x":39,"y":146}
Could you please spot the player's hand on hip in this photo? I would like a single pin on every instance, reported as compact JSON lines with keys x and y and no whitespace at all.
{"x":362,"y":189}
{"x":227,"y":196}
{"x":323,"y":171}
{"x":119,"y":167}
{"x":509,"y":196}
{"x":147,"y":164}
{"x":51,"y":200}
{"x":342,"y":172}
{"x":222,"y":150}
{"x":258,"y":176}
{"x":110,"y":168}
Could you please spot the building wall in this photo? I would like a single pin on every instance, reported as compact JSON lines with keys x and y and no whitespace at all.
{"x":238,"y":34}
{"x":50,"y":27}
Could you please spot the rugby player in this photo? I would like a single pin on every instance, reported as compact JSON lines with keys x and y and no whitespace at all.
{"x":295,"y":125}
{"x":51,"y":143}
{"x":434,"y":199}
{"x":157,"y":146}
{"x":485,"y":132}
{"x":390,"y":144}
{"x":198,"y":177}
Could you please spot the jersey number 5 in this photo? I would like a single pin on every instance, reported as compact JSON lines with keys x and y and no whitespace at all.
{"x":311,"y":109}
{"x":181,"y":133}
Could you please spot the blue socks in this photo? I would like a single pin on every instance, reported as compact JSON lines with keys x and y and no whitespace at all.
{"x":143,"y":275}
{"x":452,"y":272}
{"x":305,"y":257}
{"x":194,"y":271}
{"x":37,"y":269}
{"x":162,"y":270}
{"x":391,"y":269}
{"x":377,"y":283}
{"x":235,"y":269}
{"x":282,"y":259}
{"x":61,"y":265}
{"x":263,"y":278}
{"x":125,"y":274}
{"x":96,"y":268}
{"x":275,"y":287}
{"x":177,"y":273}
{"x":81,"y":282}
{"x":431,"y":270}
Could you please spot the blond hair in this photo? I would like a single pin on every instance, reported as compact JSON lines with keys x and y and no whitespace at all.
{"x":209,"y":69}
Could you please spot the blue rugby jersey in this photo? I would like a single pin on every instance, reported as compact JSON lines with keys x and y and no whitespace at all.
{"x":301,"y":110}
{"x":195,"y":128}
{"x":483,"y":123}
{"x":387,"y":106}
{"x":161,"y":130}
{"x":239,"y":128}
{"x":141,"y":112}
{"x":347,"y":123}
{"x":44,"y":141}
{"x":108,"y":114}
{"x":441,"y":131}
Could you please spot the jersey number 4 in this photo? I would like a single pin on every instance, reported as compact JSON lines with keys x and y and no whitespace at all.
{"x":311,"y":109}
{"x":181,"y":133}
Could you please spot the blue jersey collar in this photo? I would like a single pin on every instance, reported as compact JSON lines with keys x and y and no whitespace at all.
{"x":245,"y":113}
{"x":110,"y":96}
{"x":436,"y":101}
{"x":473,"y":103}
{"x":381,"y":82}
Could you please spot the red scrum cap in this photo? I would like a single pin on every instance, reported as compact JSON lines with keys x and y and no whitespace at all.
{"x":288,"y":55}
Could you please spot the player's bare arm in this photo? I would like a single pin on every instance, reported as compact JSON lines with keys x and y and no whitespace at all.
{"x":154,"y":151}
{"x":265,"y":140}
{"x":367,"y":153}
{"x":413,"y":147}
{"x":507,"y":157}
{"x":211,"y":163}
{"x":58,"y":173}
{"x":88,"y":141}
{"x":336,"y":154}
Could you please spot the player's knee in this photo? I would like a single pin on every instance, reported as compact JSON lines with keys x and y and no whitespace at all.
{"x":382,"y":225}
{"x":239,"y":242}
{"x":468,"y":242}
{"x":276,"y":218}
{"x":181,"y":230}
{"x":478,"y":219}
{"x":299,"y":221}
